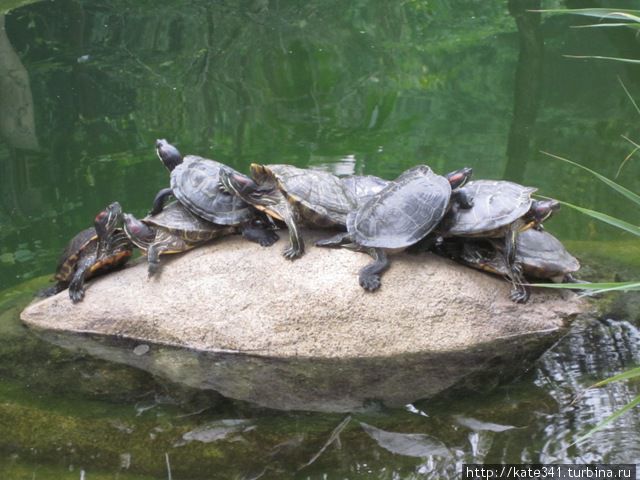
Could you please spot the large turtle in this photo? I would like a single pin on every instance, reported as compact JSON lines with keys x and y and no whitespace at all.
{"x":91,"y":252}
{"x":540,"y":255}
{"x":173,"y":230}
{"x":195,"y":184}
{"x":295,"y":196}
{"x":501,"y":209}
{"x":400,"y":215}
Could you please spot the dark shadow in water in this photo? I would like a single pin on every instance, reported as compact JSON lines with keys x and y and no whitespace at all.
{"x":527,"y":89}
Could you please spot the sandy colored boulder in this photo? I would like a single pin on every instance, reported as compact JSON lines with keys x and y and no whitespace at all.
{"x":239,"y":318}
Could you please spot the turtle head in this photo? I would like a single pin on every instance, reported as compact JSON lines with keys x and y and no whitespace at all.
{"x":458,"y":178}
{"x":247,"y":189}
{"x":138,"y":232}
{"x":541,"y":210}
{"x":168,"y":154}
{"x":107,"y":220}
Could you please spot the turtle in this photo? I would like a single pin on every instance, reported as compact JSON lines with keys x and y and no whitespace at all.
{"x":539,"y":253}
{"x":91,"y":252}
{"x":173,"y":230}
{"x":501,"y":209}
{"x":315,"y":198}
{"x":400,"y":215}
{"x":195,"y":184}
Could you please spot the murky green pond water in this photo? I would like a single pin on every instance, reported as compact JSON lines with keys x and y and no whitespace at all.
{"x":363,"y":86}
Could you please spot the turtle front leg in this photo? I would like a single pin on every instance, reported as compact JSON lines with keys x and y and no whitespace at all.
{"x":264,"y":236}
{"x":76,"y":286}
{"x":463,"y":198}
{"x":520,"y":293}
{"x":336,"y":241}
{"x":369,"y":276}
{"x":296,"y":245}
{"x":153,"y":258}
{"x":160,"y":200}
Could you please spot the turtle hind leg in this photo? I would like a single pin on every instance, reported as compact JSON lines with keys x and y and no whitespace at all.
{"x":76,"y":286}
{"x":369,"y":276}
{"x":336,"y":241}
{"x":264,"y":236}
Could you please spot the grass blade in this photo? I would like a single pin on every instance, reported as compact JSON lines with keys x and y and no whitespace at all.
{"x":603,"y":217}
{"x":597,"y":57}
{"x":589,"y":286}
{"x":634,"y":372}
{"x":609,"y":419}
{"x":618,"y":188}
{"x":598,"y":25}
{"x":619,"y":14}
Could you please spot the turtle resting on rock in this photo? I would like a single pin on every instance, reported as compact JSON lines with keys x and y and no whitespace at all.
{"x":295,"y":196}
{"x":173,"y":230}
{"x":195,"y":184}
{"x":540,"y":255}
{"x":501,"y":210}
{"x":91,"y":252}
{"x":400,"y":215}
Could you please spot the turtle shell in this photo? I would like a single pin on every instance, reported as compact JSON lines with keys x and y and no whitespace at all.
{"x":78,"y":245}
{"x":180,"y":221}
{"x":195,"y":183}
{"x":362,"y":187}
{"x":496,"y":205}
{"x":402,"y":213}
{"x":319,"y":196}
{"x":543,"y":255}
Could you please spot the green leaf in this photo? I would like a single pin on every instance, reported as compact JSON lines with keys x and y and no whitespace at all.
{"x":609,"y":419}
{"x":618,"y":188}
{"x":594,"y":288}
{"x":634,"y":372}
{"x":619,"y":14}
{"x":625,"y":60}
{"x":599,"y":25}
{"x":603,"y":217}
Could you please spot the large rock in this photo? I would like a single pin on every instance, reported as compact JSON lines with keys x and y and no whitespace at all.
{"x":242,"y":320}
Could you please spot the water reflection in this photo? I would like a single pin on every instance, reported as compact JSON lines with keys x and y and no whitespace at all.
{"x":322,"y":384}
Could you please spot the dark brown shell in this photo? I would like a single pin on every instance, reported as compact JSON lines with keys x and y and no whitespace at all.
{"x":78,"y":246}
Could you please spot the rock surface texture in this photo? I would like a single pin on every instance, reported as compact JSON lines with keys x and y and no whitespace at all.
{"x":432,"y":324}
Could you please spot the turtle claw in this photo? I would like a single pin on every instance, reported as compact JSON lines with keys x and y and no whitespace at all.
{"x":291,"y":253}
{"x":76,"y":294}
{"x":152,"y":269}
{"x":370,"y":283}
{"x":519,"y":295}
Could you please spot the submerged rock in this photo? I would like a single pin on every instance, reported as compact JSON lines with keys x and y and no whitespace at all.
{"x":240,"y":319}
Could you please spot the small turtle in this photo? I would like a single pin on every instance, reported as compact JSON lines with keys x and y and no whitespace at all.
{"x":173,"y":230}
{"x":195,"y":184}
{"x":400,"y":215}
{"x":540,"y":254}
{"x":501,"y":209}
{"x":295,"y":196}
{"x":92,"y":252}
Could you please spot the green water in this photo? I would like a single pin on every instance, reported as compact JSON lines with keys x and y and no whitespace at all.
{"x":368,"y":87}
